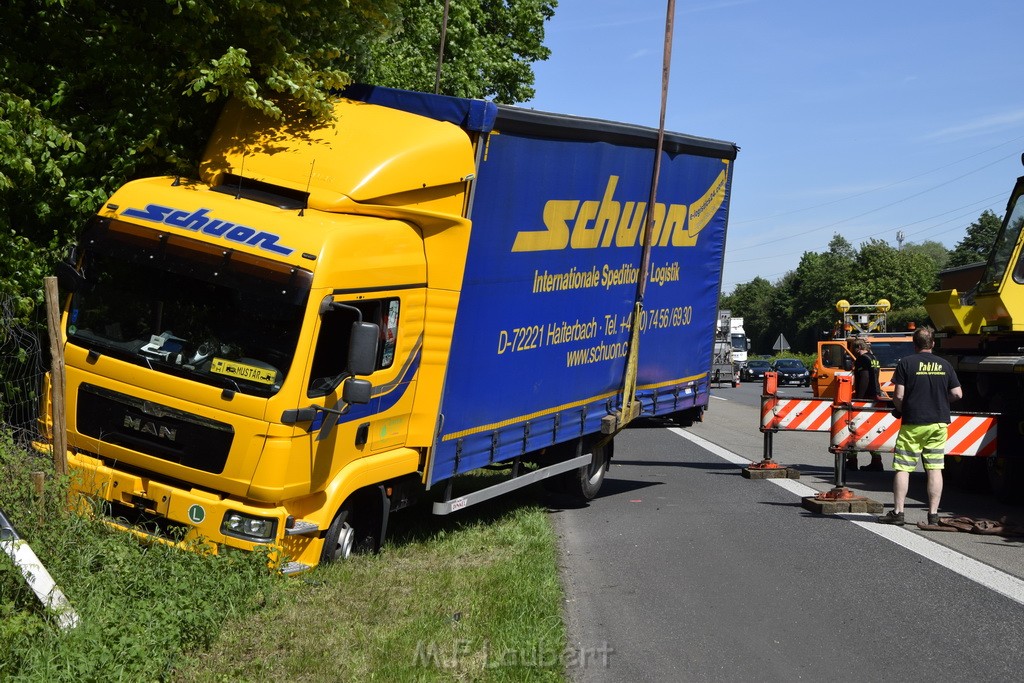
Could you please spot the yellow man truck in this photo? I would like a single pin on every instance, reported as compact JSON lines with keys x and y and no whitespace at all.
{"x":334,"y":321}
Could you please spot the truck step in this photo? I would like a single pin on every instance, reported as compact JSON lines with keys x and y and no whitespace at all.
{"x":302,"y":528}
{"x":289,"y":568}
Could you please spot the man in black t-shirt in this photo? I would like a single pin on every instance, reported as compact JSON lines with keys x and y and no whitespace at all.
{"x":865,"y":388}
{"x":925,"y":384}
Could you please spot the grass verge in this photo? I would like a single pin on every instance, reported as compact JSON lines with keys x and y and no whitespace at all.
{"x":472,"y":597}
{"x":141,"y":608}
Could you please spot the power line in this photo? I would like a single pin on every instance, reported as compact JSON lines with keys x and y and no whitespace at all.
{"x":886,"y":206}
{"x":776,"y":255}
{"x":885,"y":187}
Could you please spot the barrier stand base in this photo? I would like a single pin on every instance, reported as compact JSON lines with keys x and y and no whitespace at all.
{"x":841,"y":499}
{"x":769,"y":469}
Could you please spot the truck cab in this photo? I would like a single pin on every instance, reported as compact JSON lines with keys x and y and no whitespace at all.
{"x":834,"y":358}
{"x":859,"y":321}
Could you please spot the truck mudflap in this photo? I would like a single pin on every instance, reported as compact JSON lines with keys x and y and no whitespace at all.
{"x":190,"y":519}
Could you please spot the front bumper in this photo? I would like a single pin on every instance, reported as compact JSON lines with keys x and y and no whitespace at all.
{"x":186,"y":518}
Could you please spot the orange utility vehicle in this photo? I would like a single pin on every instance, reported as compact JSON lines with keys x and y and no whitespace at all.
{"x":864,"y":321}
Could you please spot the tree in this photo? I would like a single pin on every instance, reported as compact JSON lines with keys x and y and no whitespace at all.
{"x":489,"y":48}
{"x":802,"y":304}
{"x":95,"y":93}
{"x":978,"y":242}
{"x":935,"y":251}
{"x":751,"y":301}
{"x":819,"y":281}
{"x":883,"y":272}
{"x":840,"y":247}
{"x":781,"y":309}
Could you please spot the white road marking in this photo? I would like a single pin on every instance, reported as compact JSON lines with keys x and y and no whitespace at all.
{"x":718,"y":398}
{"x":979,"y":572}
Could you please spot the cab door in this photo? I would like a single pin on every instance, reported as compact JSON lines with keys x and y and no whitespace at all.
{"x":833,"y":358}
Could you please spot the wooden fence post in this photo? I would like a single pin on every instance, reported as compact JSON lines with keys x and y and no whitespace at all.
{"x":57,"y":379}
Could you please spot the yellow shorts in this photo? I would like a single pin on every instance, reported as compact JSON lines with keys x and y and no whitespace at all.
{"x":924,"y":442}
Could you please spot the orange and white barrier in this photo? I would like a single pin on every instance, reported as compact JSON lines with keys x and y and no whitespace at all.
{"x":864,"y":425}
{"x":779,"y":414}
{"x":865,"y":428}
{"x":795,"y":414}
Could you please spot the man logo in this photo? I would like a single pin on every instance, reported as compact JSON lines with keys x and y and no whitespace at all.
{"x":160,"y":431}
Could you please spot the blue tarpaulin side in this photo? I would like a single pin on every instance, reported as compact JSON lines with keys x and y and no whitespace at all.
{"x":539,"y":348}
{"x":471,"y":115}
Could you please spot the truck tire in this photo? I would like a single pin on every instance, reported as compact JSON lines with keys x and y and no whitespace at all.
{"x":1004,"y":477}
{"x":686,"y":418}
{"x":587,"y":480}
{"x":359,"y":527}
{"x":339,"y":539}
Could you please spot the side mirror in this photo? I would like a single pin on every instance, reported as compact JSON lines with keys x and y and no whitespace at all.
{"x":68,"y":277}
{"x":362,"y":349}
{"x":356,"y":390}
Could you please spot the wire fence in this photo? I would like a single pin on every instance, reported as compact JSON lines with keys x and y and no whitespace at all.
{"x":21,"y":376}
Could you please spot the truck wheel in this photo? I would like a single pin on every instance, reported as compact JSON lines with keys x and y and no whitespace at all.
{"x":587,"y":480}
{"x":1004,"y":478}
{"x":974,"y":476}
{"x":686,"y":418}
{"x":339,"y":539}
{"x":359,"y":527}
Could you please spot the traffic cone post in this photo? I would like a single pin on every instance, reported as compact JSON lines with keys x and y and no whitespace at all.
{"x":768,"y":468}
{"x":840,"y":498}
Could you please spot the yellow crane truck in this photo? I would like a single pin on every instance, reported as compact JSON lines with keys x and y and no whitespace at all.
{"x":979,"y":314}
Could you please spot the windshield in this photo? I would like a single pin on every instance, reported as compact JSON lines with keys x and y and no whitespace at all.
{"x":739,"y":342}
{"x":1002,"y":250}
{"x":188,"y":308}
{"x":759,"y":364}
{"x":792,"y":363}
{"x":888,"y":353}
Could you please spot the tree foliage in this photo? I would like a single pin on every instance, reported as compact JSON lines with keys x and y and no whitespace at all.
{"x":752,"y":302}
{"x":801,"y":305}
{"x":932,"y":250}
{"x":489,"y":48}
{"x":977,"y":243}
{"x":96,"y":93}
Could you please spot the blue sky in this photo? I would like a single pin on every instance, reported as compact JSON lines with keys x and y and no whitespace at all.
{"x":859,"y":119}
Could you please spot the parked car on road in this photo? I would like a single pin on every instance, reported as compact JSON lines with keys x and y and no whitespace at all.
{"x":754,"y":370}
{"x":792,"y":371}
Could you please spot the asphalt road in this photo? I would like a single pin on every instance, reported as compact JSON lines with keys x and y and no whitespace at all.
{"x":683,"y":570}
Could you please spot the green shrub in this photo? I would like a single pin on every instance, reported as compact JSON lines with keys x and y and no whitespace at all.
{"x":141,"y":607}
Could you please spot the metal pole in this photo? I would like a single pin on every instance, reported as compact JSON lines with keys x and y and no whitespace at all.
{"x":630,"y":410}
{"x":440,"y":49}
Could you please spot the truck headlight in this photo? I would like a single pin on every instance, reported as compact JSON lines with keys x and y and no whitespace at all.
{"x":256,"y":529}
